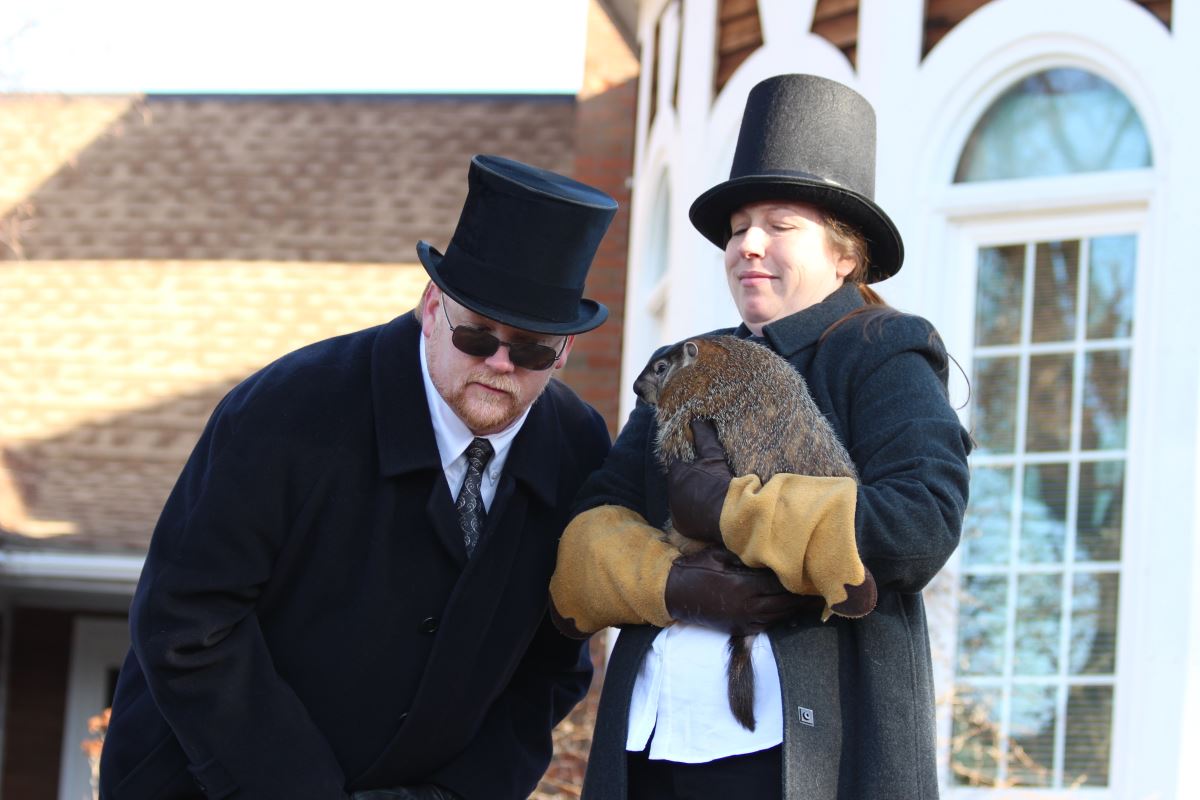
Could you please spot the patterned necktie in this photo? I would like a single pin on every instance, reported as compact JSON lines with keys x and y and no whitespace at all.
{"x":470,"y":501}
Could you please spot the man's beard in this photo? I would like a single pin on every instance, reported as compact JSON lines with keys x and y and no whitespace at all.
{"x":480,"y":410}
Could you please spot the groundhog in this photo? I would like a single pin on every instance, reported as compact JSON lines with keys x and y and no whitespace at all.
{"x":766,"y":421}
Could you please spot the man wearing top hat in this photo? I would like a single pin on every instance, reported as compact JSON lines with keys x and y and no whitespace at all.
{"x":346,"y":592}
{"x":843,"y":708}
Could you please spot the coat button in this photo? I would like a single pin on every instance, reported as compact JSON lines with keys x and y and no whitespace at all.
{"x":403,"y":717}
{"x":428,"y":625}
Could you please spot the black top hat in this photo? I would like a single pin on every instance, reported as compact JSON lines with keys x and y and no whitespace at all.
{"x":522,"y":248}
{"x":812,"y":140}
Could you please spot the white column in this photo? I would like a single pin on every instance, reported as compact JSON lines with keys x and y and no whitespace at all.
{"x":696,"y":280}
{"x":1180,"y":255}
{"x":889,"y":53}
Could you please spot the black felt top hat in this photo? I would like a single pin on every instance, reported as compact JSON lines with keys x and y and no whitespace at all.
{"x":522,"y":248}
{"x":812,"y":140}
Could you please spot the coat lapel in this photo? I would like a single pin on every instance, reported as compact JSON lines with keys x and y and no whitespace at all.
{"x":795,"y":332}
{"x":441,"y":512}
{"x":404,"y":437}
{"x":812,"y":711}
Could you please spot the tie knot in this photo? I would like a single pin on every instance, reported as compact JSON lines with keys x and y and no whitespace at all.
{"x":479,"y":451}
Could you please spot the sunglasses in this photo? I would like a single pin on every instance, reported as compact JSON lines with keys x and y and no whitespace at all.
{"x":481,"y":344}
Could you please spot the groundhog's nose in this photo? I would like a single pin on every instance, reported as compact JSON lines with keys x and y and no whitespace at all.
{"x":645,"y":390}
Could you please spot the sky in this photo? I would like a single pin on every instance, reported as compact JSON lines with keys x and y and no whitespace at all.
{"x":267,"y":46}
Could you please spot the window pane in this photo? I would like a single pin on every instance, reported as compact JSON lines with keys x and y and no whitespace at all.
{"x":1057,"y":122}
{"x":1056,"y":280}
{"x":1101,"y":507}
{"x":1105,"y":399}
{"x":975,"y":747}
{"x":1110,"y":286}
{"x":1044,"y":514}
{"x":998,"y":295}
{"x":655,"y":261}
{"x":1089,"y":736}
{"x":1039,"y":621}
{"x":981,"y":625}
{"x":1094,"y":623}
{"x":989,"y":516}
{"x":995,"y":409}
{"x":1031,"y":736}
{"x":1048,"y":427}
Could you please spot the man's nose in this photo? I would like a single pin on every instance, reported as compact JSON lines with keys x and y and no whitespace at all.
{"x":499,"y":361}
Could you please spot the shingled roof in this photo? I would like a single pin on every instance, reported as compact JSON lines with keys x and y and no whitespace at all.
{"x":354,"y":178}
{"x":155,"y":250}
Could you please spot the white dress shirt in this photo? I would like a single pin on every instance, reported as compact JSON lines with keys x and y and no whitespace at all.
{"x":453,"y":436}
{"x":681,"y":696}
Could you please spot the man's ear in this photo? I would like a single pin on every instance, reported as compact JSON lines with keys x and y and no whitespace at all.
{"x":429,"y":308}
{"x":562,"y":360}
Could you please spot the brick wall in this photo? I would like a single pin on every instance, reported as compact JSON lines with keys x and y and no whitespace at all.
{"x":604,"y":131}
{"x":37,"y":689}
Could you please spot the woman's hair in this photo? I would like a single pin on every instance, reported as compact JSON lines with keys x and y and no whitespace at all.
{"x":847,"y":242}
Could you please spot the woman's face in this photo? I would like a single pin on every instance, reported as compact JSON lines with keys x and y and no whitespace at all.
{"x":779,"y":261}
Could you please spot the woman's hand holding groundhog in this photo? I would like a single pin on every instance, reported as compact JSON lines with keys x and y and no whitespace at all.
{"x":696,"y":489}
{"x":713,"y":588}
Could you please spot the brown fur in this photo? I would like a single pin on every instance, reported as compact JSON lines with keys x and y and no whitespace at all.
{"x":766,"y":421}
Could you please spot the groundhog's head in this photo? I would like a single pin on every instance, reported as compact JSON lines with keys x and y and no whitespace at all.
{"x":662,"y":368}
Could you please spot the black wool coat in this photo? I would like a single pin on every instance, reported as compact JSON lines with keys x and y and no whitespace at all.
{"x":857,"y":694}
{"x":307,"y":622}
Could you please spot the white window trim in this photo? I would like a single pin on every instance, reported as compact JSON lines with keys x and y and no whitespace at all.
{"x":98,"y":644}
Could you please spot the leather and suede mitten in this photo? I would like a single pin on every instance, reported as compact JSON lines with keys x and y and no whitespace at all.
{"x":802,"y":528}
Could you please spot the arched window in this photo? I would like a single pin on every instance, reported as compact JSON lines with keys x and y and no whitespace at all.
{"x":1056,"y":122}
{"x":1042,"y":556}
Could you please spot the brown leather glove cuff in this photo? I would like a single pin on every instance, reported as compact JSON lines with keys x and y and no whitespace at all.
{"x":612,"y":570}
{"x":802,"y":528}
{"x":712,"y":587}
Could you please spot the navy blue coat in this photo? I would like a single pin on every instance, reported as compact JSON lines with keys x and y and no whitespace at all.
{"x":857,"y":694}
{"x":307,"y":622}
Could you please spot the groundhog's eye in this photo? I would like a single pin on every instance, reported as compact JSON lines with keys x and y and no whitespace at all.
{"x":660,"y":368}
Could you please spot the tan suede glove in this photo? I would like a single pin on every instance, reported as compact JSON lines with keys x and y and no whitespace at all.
{"x":802,"y":528}
{"x":612,"y":570}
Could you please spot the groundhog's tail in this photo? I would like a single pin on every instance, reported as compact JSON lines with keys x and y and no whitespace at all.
{"x":741,"y":681}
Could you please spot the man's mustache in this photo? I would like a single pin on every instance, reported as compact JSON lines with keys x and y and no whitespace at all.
{"x":501,"y":383}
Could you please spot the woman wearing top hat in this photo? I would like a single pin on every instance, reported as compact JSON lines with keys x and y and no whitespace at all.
{"x":844,"y":708}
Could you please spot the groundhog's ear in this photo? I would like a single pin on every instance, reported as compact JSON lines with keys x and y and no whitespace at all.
{"x":691,"y":351}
